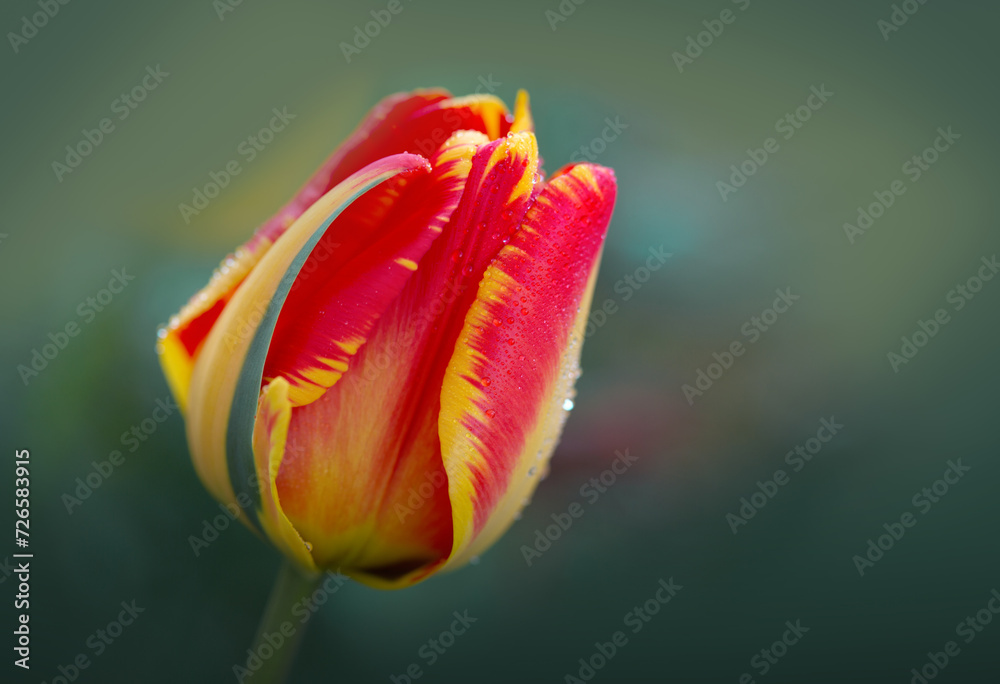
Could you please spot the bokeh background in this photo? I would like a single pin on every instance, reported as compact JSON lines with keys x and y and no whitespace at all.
{"x":666,"y":517}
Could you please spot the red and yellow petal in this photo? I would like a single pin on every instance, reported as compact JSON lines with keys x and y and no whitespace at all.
{"x":517,"y":357}
{"x":484,"y":113}
{"x":362,"y":449}
{"x":523,"y":122}
{"x":358,"y":268}
{"x":377,"y":136}
{"x":219,"y":365}
{"x":274,"y":412}
{"x":417,"y":122}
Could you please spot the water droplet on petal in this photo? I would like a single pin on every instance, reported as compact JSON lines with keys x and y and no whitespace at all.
{"x":491,"y":412}
{"x":531,"y":471}
{"x":568,"y":405}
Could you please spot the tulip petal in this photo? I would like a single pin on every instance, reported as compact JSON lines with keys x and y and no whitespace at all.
{"x":522,"y":114}
{"x":384,"y":131}
{"x":226,"y":380}
{"x":274,"y":412}
{"x":485,"y":113}
{"x":343,"y":290}
{"x":517,"y":357}
{"x":417,"y":122}
{"x":359,"y":452}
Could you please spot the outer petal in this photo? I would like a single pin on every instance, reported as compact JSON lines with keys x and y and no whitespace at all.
{"x":360,"y":481}
{"x":222,"y":390}
{"x":517,"y":357}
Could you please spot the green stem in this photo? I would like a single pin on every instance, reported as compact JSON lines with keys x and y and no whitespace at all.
{"x":279,"y":635}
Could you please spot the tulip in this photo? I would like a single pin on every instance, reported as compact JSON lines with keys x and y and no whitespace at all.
{"x":378,"y":377}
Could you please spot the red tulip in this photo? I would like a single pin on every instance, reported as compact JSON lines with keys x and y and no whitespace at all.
{"x":379,"y":376}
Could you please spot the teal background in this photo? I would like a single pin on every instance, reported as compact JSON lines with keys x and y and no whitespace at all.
{"x":666,"y":516}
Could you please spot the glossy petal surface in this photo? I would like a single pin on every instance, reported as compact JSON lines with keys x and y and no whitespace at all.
{"x":517,"y":357}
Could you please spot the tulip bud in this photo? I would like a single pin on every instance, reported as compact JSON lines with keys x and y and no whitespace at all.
{"x":381,"y":371}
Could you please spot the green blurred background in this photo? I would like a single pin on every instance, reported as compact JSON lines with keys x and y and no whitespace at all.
{"x":667,"y":515}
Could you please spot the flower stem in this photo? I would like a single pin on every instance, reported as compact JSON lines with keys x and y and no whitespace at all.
{"x":279,"y":635}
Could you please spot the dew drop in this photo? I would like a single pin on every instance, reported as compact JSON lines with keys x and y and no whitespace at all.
{"x":531,"y":471}
{"x":568,"y":405}
{"x":487,"y":382}
{"x":491,"y":412}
